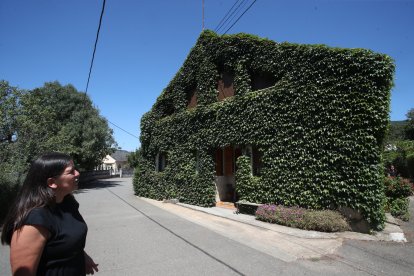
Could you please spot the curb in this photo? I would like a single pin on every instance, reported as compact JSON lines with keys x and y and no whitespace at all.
{"x":391,"y":233}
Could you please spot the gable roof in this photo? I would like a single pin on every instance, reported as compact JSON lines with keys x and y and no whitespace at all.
{"x":120,"y":155}
{"x":109,"y":160}
{"x":244,"y":54}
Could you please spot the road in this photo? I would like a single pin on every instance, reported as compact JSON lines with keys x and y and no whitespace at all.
{"x":129,"y":236}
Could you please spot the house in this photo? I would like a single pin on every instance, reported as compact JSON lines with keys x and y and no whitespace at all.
{"x":115,"y":161}
{"x":247,"y":118}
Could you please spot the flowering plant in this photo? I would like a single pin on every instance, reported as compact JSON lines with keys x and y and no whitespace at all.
{"x":324,"y":220}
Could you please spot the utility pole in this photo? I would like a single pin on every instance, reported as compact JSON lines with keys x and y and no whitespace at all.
{"x":203,"y":15}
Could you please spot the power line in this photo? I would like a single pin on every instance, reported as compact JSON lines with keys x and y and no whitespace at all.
{"x":90,"y":68}
{"x":234,"y":14}
{"x":217,"y":30}
{"x":122,"y":129}
{"x":94,"y":48}
{"x":240,"y":16}
{"x":221,"y":21}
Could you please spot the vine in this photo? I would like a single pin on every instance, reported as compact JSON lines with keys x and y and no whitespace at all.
{"x":320,"y":127}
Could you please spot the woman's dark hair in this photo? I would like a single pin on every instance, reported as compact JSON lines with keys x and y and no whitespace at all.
{"x":34,"y":191}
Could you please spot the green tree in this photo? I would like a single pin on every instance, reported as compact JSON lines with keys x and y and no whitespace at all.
{"x":396,"y":132}
{"x":134,"y":158}
{"x":399,"y":150}
{"x":8,"y":111}
{"x":11,"y":164}
{"x":59,"y":118}
{"x":49,"y":118}
{"x":409,"y":128}
{"x":53,"y":118}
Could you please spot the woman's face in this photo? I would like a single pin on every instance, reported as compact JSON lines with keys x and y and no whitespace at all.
{"x":67,"y":182}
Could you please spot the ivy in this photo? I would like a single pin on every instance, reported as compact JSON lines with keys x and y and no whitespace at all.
{"x":320,"y":127}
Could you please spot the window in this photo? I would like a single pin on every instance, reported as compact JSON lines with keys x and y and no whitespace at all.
{"x":161,"y":162}
{"x":262,"y":81}
{"x":192,"y":98}
{"x":256,"y":161}
{"x":165,"y":106}
{"x":225,"y":86}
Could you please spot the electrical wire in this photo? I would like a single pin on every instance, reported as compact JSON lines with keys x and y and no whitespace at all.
{"x":122,"y":129}
{"x":218,"y":27}
{"x":240,"y":16}
{"x":90,"y":68}
{"x":234,"y":14}
{"x":230,"y":16}
{"x":94,"y":48}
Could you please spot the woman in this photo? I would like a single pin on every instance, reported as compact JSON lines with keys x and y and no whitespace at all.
{"x":44,"y":228}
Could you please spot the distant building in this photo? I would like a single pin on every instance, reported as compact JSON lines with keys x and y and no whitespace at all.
{"x":115,"y":162}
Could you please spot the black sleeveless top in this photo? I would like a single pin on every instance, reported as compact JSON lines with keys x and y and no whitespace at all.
{"x":63,"y":253}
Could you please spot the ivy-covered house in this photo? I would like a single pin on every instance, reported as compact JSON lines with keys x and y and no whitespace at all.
{"x":247,"y":118}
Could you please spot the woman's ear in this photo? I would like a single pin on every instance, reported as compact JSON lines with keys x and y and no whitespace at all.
{"x":51,"y":182}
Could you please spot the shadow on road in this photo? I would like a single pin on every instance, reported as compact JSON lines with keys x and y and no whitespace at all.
{"x":97,"y":184}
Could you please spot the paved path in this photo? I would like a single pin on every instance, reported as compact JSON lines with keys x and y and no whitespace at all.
{"x":132,"y":236}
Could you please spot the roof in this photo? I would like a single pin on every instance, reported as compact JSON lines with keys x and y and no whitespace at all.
{"x":120,"y":155}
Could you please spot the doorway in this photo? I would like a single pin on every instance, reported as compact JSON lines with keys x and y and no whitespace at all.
{"x":225,"y":163}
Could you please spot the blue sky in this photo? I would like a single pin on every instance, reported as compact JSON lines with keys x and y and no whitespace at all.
{"x":142,"y":44}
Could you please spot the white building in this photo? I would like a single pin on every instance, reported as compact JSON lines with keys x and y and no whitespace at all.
{"x":115,"y":162}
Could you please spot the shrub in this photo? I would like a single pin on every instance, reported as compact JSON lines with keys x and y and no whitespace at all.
{"x":399,"y":208}
{"x":8,"y":192}
{"x":279,"y":214}
{"x":325,"y":220}
{"x":11,"y":177}
{"x":397,"y":190}
{"x":397,"y":187}
{"x":410,"y":165}
{"x":402,"y":158}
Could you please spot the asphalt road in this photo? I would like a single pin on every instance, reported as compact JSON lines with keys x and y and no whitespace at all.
{"x":128,"y":236}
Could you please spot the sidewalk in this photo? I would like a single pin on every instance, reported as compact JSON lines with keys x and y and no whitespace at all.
{"x":392,"y":231}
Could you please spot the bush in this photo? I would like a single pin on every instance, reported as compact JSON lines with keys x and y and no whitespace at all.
{"x":397,"y":187}
{"x":11,"y":177}
{"x":397,"y":190}
{"x":325,"y":220}
{"x":402,"y":158}
{"x":399,"y":208}
{"x":410,"y":165}
{"x":8,"y":193}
